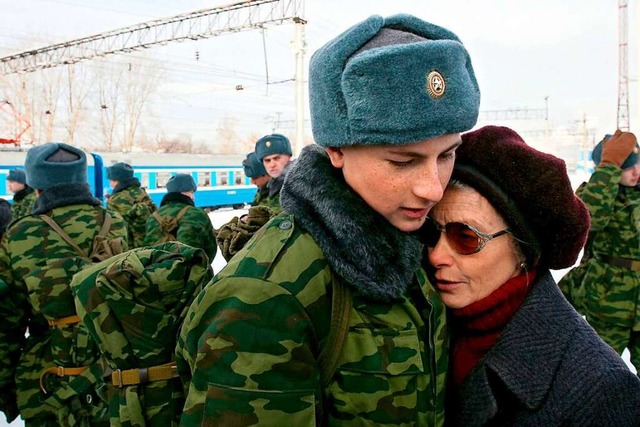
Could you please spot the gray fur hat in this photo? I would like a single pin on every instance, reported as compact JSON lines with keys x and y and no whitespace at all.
{"x":55,"y":163}
{"x":180,"y":183}
{"x":119,"y":171}
{"x":272,"y":144}
{"x":391,"y":81}
{"x":17,"y":175}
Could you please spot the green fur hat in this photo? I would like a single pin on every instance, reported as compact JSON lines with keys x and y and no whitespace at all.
{"x":119,"y":171}
{"x":181,"y":182}
{"x":55,"y":163}
{"x":391,"y":81}
{"x":273,"y":144}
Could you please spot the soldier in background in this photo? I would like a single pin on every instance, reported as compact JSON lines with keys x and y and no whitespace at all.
{"x":52,"y":376}
{"x":254,"y":169}
{"x":23,"y":196}
{"x":179,"y":219}
{"x":274,"y":151}
{"x":232,"y":236}
{"x":325,"y":317}
{"x":130,"y":200}
{"x":605,"y":287}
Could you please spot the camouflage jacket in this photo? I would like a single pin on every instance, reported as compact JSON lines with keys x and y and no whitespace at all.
{"x":23,"y":202}
{"x":36,"y":266}
{"x":134,"y":204}
{"x":248,"y":349}
{"x":194,"y":228}
{"x":132,"y":305}
{"x":608,"y":292}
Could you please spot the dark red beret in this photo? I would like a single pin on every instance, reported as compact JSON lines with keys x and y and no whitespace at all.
{"x":530,"y":189}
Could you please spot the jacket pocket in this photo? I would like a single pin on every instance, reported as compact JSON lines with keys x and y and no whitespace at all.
{"x":229,"y":406}
{"x":380,"y":376}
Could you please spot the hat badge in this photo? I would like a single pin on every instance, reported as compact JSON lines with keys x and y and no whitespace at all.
{"x":436,"y":84}
{"x":268,"y":143}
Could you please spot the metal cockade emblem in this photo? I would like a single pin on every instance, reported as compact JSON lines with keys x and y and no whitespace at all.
{"x":268,"y":143}
{"x":436,"y":84}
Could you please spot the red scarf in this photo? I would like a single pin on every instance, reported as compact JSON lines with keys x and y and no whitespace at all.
{"x":476,"y":327}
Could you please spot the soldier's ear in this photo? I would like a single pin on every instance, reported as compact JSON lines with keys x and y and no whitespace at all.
{"x":336,"y":156}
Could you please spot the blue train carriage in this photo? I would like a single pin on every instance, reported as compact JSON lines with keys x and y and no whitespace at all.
{"x":218,"y":186}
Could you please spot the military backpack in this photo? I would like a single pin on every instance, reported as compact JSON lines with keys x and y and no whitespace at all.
{"x":169,"y":225}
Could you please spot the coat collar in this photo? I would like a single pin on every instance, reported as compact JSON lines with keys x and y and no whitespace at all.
{"x":545,"y":321}
{"x":370,"y":254}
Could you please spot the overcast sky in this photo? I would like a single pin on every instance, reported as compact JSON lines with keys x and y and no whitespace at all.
{"x":522,"y":51}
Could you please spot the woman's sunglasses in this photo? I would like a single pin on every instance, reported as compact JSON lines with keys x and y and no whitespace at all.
{"x":463,"y":238}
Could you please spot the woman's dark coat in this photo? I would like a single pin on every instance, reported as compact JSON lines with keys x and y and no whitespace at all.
{"x":548,"y":368}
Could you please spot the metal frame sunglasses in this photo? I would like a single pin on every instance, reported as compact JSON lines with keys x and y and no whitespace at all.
{"x":463,"y":238}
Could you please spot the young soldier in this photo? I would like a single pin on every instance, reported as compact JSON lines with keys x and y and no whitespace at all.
{"x":23,"y":196}
{"x":260,"y":345}
{"x":130,"y":200}
{"x":254,"y":169}
{"x":53,"y":375}
{"x":179,"y":219}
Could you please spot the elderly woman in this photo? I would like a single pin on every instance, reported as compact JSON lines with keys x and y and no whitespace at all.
{"x":521,"y":355}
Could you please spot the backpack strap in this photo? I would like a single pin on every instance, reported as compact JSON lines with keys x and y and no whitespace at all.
{"x":104,"y":230}
{"x":181,"y":213}
{"x":63,"y":234}
{"x":341,"y":303}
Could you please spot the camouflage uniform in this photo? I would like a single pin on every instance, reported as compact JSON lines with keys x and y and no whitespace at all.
{"x":194,"y":228}
{"x":134,"y":204}
{"x":608,"y":294}
{"x":36,"y":266}
{"x":249,"y":346}
{"x":23,"y":202}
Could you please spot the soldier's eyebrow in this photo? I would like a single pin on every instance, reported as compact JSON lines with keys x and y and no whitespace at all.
{"x":399,"y":151}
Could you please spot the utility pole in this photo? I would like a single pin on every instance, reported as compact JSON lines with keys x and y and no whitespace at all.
{"x":300,"y":45}
{"x":623,"y":66}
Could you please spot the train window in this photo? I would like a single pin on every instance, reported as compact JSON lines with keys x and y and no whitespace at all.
{"x":162,"y":178}
{"x":238,"y":176}
{"x":204,"y":179}
{"x":222,"y":178}
{"x":144,"y":180}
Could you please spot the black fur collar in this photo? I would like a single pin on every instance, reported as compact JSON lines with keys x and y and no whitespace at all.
{"x":64,"y":195}
{"x":377,"y":259}
{"x":126,"y":183}
{"x":174,"y":197}
{"x":23,"y":193}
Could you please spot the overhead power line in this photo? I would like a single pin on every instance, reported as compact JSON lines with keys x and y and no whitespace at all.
{"x":205,"y":23}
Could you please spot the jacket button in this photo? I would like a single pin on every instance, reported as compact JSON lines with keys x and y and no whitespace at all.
{"x":285,"y":225}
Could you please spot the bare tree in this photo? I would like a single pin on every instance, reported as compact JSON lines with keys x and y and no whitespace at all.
{"x":140,"y":83}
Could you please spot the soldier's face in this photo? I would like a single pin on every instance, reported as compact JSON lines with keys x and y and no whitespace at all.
{"x":14,"y":186}
{"x":630,"y":176}
{"x":275,"y":164}
{"x":112,"y":184}
{"x":464,"y":279}
{"x":400,"y":182}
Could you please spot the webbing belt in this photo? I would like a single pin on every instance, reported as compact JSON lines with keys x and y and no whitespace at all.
{"x":60,"y":371}
{"x":69,"y":320}
{"x":129,"y":377}
{"x":629,"y":264}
